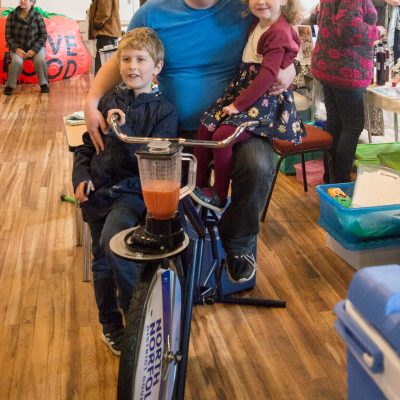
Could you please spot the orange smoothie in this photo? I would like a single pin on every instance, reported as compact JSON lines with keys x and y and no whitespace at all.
{"x":161,"y":198}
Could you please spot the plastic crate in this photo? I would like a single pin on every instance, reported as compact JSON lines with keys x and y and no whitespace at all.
{"x":374,"y":162}
{"x":314,"y":172}
{"x":368,"y":322}
{"x":380,"y":252}
{"x":391,"y":160}
{"x":370,"y":151}
{"x":354,"y":225}
{"x":287,"y":165}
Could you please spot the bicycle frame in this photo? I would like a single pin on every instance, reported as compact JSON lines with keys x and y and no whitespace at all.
{"x":182,"y":141}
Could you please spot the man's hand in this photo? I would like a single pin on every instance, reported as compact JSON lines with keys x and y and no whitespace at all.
{"x":229,"y":110}
{"x":285,"y":79}
{"x":121,"y":114}
{"x":95,"y":125}
{"x":30,"y":54}
{"x":20,"y":52}
{"x":82,"y":191}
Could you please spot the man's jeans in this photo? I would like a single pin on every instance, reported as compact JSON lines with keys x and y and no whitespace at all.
{"x":345,"y":121}
{"x":253,"y":170}
{"x":17,"y":63}
{"x":109,"y":271}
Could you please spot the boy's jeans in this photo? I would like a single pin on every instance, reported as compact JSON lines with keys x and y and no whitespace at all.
{"x":109,"y":271}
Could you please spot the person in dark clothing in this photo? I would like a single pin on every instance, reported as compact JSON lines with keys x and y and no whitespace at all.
{"x":342,"y":62}
{"x":26,"y":37}
{"x":108,"y":185}
{"x":104,"y":26}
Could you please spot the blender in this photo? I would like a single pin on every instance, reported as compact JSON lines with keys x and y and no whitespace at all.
{"x":160,"y":165}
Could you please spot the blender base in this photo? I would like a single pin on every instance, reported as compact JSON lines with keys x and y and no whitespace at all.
{"x":118,"y":247}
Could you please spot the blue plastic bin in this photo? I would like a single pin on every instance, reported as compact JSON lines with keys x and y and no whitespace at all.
{"x":369,"y":323}
{"x":355,"y":225}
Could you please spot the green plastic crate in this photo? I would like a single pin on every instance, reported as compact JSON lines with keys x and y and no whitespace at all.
{"x":370,"y":151}
{"x":374,"y":162}
{"x":391,"y":160}
{"x":287,"y":165}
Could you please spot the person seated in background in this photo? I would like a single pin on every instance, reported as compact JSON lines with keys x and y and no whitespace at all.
{"x":108,"y":185}
{"x":26,"y":37}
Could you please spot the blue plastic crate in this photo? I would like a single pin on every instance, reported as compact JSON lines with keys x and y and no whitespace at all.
{"x":353,"y":225}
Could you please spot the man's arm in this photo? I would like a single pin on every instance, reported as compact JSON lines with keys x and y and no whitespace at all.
{"x":106,"y":79}
{"x":285,"y":79}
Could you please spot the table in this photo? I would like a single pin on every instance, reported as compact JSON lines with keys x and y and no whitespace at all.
{"x":74,"y":133}
{"x":386,"y":98}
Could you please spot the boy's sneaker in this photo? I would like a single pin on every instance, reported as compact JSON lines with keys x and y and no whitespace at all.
{"x":114,"y":340}
{"x":208,"y":198}
{"x":44,"y":88}
{"x":241,"y":268}
{"x":8,"y":91}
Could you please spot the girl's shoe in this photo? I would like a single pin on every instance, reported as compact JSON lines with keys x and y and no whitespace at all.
{"x":208,"y":198}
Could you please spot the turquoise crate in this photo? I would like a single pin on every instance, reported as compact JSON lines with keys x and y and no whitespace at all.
{"x":353,"y":225}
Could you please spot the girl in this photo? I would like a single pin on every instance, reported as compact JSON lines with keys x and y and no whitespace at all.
{"x":272,"y":45}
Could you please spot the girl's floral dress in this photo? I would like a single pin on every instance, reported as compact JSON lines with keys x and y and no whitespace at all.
{"x":279,"y":111}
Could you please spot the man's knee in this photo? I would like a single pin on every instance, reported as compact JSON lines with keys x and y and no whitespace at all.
{"x":16,"y":61}
{"x":253,"y":160}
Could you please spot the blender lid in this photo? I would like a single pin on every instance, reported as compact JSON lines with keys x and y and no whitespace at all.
{"x":162,"y":148}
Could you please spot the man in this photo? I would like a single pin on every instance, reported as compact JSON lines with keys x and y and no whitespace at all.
{"x":203,"y":42}
{"x":104,"y":25}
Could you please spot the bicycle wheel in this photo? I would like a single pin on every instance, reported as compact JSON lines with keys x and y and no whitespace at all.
{"x":149,"y":357}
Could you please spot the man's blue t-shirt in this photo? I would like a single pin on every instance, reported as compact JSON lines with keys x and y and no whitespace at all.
{"x":203,"y":49}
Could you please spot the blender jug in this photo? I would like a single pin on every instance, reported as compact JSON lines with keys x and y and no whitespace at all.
{"x":160,"y":165}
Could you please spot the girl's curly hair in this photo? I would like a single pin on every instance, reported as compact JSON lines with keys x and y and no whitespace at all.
{"x":292,"y":11}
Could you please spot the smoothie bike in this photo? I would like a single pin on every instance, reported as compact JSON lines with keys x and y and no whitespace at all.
{"x":154,"y":358}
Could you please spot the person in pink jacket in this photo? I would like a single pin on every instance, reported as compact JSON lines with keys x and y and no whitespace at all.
{"x":342,"y":62}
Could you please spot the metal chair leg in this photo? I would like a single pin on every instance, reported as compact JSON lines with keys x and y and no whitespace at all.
{"x":278,"y":164}
{"x":87,"y":251}
{"x":303,"y":167}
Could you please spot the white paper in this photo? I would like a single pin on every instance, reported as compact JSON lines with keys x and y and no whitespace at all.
{"x":376,"y":186}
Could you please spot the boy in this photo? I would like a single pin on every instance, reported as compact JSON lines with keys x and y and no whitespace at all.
{"x":108,"y":184}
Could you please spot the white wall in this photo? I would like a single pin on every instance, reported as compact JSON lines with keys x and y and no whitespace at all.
{"x":76,"y":9}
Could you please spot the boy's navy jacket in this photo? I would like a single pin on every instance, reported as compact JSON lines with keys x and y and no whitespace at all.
{"x":114,"y":171}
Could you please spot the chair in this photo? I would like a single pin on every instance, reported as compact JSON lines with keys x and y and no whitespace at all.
{"x":315,"y":140}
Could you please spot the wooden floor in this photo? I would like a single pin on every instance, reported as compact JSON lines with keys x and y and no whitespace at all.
{"x":49,"y":336}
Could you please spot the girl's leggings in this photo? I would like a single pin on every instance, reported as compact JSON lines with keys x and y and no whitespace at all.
{"x":223,"y":158}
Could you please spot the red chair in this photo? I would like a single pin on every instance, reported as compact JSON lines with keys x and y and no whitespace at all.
{"x":316,"y":140}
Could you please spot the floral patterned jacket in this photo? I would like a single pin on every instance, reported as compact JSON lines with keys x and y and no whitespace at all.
{"x":343,"y":54}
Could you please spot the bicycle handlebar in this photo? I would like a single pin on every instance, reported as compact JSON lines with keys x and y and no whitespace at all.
{"x":182,"y":141}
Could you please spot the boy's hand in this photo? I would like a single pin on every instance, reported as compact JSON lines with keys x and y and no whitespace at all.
{"x":82,"y":191}
{"x":285,"y":79}
{"x":121,"y":114}
{"x":229,"y":110}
